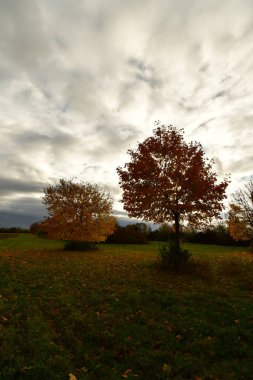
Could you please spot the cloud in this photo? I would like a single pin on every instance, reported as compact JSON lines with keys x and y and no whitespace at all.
{"x":9,"y":185}
{"x":83,"y":82}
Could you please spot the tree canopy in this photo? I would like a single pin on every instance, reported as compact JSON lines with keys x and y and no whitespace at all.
{"x":168,"y":179}
{"x":240,"y":216}
{"x":78,"y":211}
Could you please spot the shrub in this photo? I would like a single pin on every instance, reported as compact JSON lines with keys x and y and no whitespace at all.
{"x":173,"y":256}
{"x":79,"y":246}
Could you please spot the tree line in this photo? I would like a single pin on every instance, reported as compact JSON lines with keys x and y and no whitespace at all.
{"x":141,"y":233}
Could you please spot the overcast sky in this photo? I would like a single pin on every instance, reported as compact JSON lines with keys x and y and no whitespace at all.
{"x":84,"y":80}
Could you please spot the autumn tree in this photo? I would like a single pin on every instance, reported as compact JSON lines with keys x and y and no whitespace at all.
{"x":240,"y":216}
{"x":168,"y":179}
{"x":78,"y":212}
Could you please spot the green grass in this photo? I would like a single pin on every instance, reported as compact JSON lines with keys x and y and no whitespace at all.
{"x":113,"y":314}
{"x":24,"y":241}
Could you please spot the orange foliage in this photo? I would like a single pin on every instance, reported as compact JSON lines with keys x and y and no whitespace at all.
{"x":170,"y":180}
{"x":78,"y":211}
{"x":240,"y":217}
{"x":237,"y":226}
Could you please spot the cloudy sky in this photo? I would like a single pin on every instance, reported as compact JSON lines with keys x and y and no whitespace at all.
{"x":84,"y":80}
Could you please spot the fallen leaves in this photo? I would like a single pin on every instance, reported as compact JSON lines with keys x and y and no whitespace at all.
{"x":126,"y":373}
{"x":129,"y":372}
{"x":168,"y":325}
{"x":166,"y":368}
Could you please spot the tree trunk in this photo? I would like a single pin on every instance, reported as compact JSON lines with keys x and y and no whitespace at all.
{"x":177,"y":230}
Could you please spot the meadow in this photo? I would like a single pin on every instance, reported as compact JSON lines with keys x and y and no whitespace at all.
{"x":114,"y":313}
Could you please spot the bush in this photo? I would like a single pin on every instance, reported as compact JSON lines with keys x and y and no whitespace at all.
{"x":173,"y":256}
{"x":79,"y":246}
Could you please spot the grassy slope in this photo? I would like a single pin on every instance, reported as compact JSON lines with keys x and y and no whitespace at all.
{"x":99,"y":314}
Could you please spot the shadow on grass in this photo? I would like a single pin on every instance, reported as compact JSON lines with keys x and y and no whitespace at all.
{"x":238,"y":270}
{"x":79,"y":246}
{"x":201,"y":269}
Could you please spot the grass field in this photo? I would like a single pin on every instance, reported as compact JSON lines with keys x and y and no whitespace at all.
{"x":24,"y":241}
{"x":114,"y":314}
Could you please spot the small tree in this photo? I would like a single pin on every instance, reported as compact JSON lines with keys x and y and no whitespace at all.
{"x":78,"y":212}
{"x":169,"y":180}
{"x":240,"y":216}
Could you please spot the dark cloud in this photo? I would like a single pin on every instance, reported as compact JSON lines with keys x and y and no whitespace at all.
{"x":26,"y":205}
{"x":219,"y":94}
{"x":57,"y":141}
{"x":9,"y":186}
{"x":8,"y":220}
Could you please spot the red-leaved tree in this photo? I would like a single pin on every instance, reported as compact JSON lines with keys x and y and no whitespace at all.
{"x":168,"y":179}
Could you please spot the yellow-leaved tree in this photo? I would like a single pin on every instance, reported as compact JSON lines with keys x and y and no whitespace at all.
{"x":78,"y":212}
{"x":240,"y":216}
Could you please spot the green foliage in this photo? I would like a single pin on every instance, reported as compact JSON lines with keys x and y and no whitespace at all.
{"x":79,"y":246}
{"x":173,"y":256}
